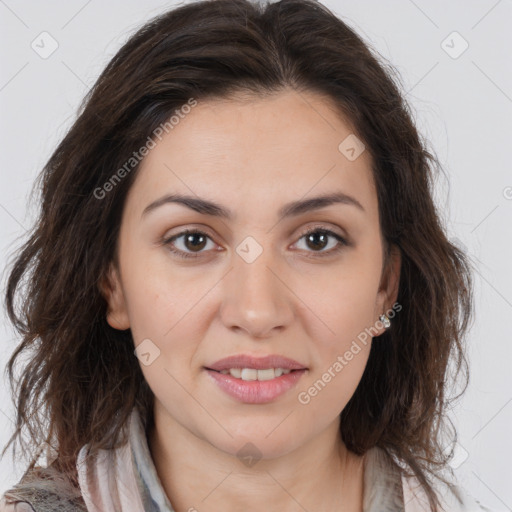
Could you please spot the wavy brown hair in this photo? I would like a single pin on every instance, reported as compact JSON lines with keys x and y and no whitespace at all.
{"x":80,"y":378}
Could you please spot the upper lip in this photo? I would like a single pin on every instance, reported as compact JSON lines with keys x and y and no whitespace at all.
{"x":258,"y":363}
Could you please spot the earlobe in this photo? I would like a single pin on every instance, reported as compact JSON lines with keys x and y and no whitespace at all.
{"x":110,"y":288}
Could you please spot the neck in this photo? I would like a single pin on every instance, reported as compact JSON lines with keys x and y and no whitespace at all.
{"x":318,"y":475}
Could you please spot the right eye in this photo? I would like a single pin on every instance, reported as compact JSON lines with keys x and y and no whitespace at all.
{"x":192,"y":242}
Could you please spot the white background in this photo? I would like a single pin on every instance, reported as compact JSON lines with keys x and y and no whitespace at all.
{"x":462,"y":105}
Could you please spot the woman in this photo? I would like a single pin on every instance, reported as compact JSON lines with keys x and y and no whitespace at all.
{"x":240,"y":295}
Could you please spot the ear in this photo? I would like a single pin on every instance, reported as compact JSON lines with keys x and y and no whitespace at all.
{"x":111,"y":289}
{"x":390,"y":280}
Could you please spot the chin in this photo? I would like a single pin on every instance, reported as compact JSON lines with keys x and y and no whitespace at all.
{"x":256,"y":444}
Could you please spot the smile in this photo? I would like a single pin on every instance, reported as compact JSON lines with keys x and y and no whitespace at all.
{"x":254,"y":374}
{"x":252,"y":386}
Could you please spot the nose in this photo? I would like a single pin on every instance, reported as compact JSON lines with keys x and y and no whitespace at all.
{"x":256,"y":298}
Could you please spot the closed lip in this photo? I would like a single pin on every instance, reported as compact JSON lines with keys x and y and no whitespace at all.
{"x":258,"y":363}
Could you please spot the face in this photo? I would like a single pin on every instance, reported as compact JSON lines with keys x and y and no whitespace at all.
{"x":275,"y":274}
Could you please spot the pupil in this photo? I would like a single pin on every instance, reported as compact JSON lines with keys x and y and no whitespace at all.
{"x":314,"y":236}
{"x":190,"y":239}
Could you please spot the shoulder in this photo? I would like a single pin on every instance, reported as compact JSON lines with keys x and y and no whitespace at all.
{"x":453,"y":497}
{"x":42,"y":490}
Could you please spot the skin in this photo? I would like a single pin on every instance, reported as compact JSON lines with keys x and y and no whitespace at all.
{"x":253,"y":155}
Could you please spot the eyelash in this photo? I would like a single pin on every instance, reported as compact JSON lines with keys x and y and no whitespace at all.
{"x":321,"y":254}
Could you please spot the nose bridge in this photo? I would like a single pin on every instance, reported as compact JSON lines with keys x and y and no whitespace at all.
{"x":255,"y":299}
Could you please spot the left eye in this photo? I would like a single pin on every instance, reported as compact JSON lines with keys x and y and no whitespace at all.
{"x":318,"y":239}
{"x":193,"y":242}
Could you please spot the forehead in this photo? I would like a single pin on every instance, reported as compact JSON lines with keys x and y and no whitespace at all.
{"x":248,"y":151}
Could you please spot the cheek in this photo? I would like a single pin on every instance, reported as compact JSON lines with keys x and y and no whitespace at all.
{"x":340,"y":361}
{"x":160,"y":298}
{"x":340,"y":303}
{"x":327,"y":392}
{"x":162,"y":333}
{"x":342,"y":312}
{"x":167,"y":316}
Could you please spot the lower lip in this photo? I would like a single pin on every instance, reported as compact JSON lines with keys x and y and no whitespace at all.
{"x":255,"y":391}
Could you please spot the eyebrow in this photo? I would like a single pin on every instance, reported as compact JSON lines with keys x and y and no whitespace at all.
{"x":292,"y":209}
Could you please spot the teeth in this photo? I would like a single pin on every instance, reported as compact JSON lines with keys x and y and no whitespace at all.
{"x":235,"y":372}
{"x":253,"y":374}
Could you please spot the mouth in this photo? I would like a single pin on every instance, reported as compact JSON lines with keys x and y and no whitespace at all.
{"x":255,"y":386}
{"x":252,"y":374}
